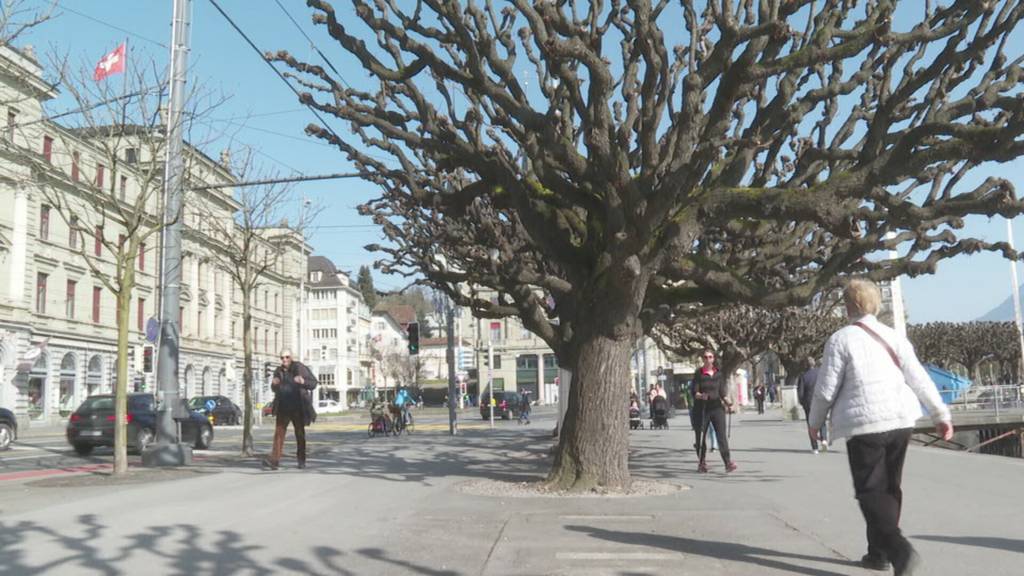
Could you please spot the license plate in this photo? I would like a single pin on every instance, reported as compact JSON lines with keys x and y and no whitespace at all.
{"x":91,"y":433}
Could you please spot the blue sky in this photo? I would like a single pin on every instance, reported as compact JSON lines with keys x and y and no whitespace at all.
{"x":963,"y":289}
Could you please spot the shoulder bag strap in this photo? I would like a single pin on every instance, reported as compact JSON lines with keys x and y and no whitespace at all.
{"x":880,"y":340}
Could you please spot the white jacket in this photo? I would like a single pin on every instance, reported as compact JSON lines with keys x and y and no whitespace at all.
{"x":869,"y":392}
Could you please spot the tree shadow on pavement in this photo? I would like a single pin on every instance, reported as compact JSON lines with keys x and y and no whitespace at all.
{"x":172,"y":549}
{"x":727,"y":551}
{"x":994,"y":542}
{"x":504,"y":456}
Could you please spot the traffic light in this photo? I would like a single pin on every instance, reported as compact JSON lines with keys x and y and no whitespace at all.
{"x":414,"y":338}
{"x":147,"y":359}
{"x":268,"y":370}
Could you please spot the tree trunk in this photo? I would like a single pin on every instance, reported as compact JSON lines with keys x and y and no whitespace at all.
{"x":593,"y":448}
{"x":124,"y":301}
{"x":247,"y":441}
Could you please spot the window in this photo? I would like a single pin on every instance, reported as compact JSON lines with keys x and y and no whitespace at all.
{"x":73,"y":233}
{"x":266,"y":341}
{"x":41,"y":293}
{"x":100,"y":169}
{"x":124,"y":188}
{"x":131,"y":155}
{"x":48,"y":149}
{"x":266,"y":296}
{"x":12,"y":122}
{"x":233,"y":326}
{"x":142,"y":256}
{"x":276,"y":344}
{"x":275,"y":304}
{"x":497,"y":361}
{"x":141,"y":315}
{"x":75,"y":158}
{"x":199,"y":322}
{"x":255,"y":339}
{"x":97,"y":294}
{"x":181,"y":319}
{"x":44,"y":222}
{"x":98,"y":248}
{"x":69,"y":306}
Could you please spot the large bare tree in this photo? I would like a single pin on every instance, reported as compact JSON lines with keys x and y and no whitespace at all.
{"x":19,"y":16}
{"x":598,"y":163}
{"x":967,"y":344}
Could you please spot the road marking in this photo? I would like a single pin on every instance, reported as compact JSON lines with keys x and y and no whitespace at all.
{"x":434,"y":427}
{"x":25,"y":474}
{"x":607,"y":517}
{"x":608,"y":556}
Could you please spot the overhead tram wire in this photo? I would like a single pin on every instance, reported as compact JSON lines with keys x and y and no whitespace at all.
{"x":63,"y":6}
{"x":277,"y":72}
{"x":312,"y":44}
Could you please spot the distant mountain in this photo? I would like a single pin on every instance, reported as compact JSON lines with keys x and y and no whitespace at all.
{"x":1001,"y":313}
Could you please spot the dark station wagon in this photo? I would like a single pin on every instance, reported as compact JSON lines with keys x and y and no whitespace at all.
{"x":92,"y":424}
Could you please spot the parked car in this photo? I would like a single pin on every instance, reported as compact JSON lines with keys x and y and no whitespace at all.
{"x":92,"y":424}
{"x":506,"y":405}
{"x":268,"y":408}
{"x":8,"y":428}
{"x":224,"y":410}
{"x":328,"y":406}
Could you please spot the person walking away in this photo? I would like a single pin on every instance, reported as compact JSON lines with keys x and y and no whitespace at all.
{"x":805,"y":394}
{"x":292,"y":384}
{"x":524,"y":407}
{"x":711,"y":396}
{"x":873,"y":384}
{"x":759,"y":393}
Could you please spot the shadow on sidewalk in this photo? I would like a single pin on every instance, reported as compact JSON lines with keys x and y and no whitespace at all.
{"x":506,"y":456}
{"x":727,"y":551}
{"x":994,"y":542}
{"x":173,"y":549}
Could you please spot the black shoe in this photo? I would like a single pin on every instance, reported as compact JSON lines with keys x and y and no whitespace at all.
{"x":302,"y":465}
{"x":875,"y":563}
{"x":269,"y":465}
{"x":910,"y":566}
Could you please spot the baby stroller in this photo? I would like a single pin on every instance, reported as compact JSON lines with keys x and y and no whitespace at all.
{"x":635,"y":423}
{"x":659,"y":413}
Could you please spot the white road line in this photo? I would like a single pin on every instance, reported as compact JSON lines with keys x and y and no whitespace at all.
{"x":608,"y":556}
{"x":607,"y":517}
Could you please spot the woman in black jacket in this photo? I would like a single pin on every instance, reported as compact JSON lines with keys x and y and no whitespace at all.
{"x":711,"y":399}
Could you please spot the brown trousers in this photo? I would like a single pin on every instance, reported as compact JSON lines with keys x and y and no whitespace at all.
{"x":281,"y":427}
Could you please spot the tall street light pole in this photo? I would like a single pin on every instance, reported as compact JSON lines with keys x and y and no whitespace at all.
{"x":453,"y":424}
{"x":168,"y":451}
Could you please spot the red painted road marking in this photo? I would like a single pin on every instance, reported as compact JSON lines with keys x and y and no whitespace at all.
{"x":25,"y":474}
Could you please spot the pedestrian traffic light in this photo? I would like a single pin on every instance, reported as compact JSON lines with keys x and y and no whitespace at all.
{"x":147,"y":359}
{"x":414,"y":338}
{"x":267,"y":370}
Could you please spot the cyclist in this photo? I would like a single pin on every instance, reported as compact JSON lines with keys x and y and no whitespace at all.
{"x":402,"y":401}
{"x":379,"y":412}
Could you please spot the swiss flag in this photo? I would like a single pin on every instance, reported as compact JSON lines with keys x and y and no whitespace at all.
{"x":112,"y":63}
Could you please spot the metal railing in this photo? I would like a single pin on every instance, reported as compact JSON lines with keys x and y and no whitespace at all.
{"x":1003,"y":397}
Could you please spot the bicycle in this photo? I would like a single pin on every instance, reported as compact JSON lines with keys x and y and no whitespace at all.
{"x":402,"y":426}
{"x":379,"y":426}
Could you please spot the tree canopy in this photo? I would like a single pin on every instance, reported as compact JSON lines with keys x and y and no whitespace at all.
{"x":601,"y":164}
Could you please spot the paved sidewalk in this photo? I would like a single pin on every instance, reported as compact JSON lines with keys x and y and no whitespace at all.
{"x":395,"y":506}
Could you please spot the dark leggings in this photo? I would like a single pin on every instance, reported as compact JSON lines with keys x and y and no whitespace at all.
{"x":711,"y":412}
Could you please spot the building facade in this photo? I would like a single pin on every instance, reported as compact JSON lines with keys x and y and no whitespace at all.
{"x":58,"y":332}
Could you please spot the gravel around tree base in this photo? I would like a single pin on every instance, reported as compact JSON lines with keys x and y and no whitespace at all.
{"x":503,"y":489}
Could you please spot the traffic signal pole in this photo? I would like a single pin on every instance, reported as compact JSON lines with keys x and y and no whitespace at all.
{"x":453,"y":425}
{"x":168,"y":451}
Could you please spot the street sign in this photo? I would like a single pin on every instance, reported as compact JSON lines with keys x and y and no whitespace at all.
{"x":210,"y":405}
{"x":152,"y":329}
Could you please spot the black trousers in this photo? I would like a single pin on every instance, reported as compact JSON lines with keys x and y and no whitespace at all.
{"x":876,"y":464}
{"x":822,"y":432}
{"x":707,"y":412}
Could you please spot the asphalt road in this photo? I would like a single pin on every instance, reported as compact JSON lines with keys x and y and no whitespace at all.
{"x":47,"y":453}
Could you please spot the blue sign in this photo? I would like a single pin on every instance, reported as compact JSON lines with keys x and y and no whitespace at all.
{"x":210,"y":405}
{"x":152,"y":329}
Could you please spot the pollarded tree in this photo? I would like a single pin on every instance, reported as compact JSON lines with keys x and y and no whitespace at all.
{"x":736,"y":333}
{"x":966,"y":343}
{"x":596,"y":163}
{"x":801,"y":334}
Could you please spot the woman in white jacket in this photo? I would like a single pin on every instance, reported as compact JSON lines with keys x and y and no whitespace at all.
{"x":873,"y":384}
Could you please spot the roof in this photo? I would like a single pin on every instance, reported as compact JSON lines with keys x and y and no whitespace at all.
{"x":404,"y":314}
{"x":329,"y":278}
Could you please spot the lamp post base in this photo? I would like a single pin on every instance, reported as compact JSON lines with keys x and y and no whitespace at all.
{"x":167,"y":455}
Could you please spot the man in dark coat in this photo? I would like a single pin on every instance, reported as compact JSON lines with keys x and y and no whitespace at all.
{"x":293,"y":384}
{"x":805,"y":393}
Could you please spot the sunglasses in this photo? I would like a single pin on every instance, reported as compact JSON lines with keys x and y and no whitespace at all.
{"x":709,"y":355}
{"x":286,"y":357}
